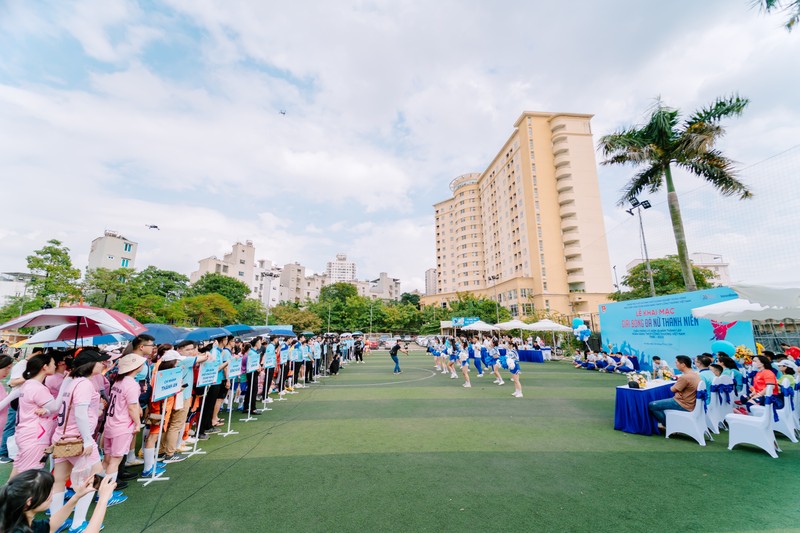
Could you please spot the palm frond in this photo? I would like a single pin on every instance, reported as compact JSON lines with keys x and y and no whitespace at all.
{"x":698,"y":139}
{"x":719,"y":171}
{"x":660,"y":129}
{"x":722,"y":107}
{"x":650,"y":178}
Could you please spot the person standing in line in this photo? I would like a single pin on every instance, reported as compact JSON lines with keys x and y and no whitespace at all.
{"x":393,"y":353}
{"x":14,"y":381}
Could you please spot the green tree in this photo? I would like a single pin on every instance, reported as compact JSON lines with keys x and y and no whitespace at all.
{"x":467,"y":304}
{"x":667,"y":278}
{"x":664,"y":142}
{"x":337,"y":293}
{"x":56,"y":279}
{"x":150,"y":308}
{"x":167,"y":283}
{"x":791,"y":7}
{"x":411,"y":299}
{"x":232,"y":289}
{"x":251,"y":311}
{"x":209,"y":310}
{"x":300,"y":319}
{"x":102,"y":286}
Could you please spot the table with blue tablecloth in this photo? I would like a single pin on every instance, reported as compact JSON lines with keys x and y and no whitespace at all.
{"x":531,"y":356}
{"x":630,"y":411}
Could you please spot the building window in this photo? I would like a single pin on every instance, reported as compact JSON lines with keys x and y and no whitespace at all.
{"x":547,"y":304}
{"x":125,"y":263}
{"x":128,"y":247}
{"x":514,"y":310}
{"x":241,"y":261}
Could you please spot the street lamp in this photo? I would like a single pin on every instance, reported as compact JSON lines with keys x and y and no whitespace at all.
{"x":329,"y":318}
{"x":494,"y":279}
{"x":638,"y":206}
{"x":370,"y":318}
{"x":270,"y":276}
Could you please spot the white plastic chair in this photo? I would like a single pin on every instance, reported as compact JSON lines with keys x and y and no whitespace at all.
{"x":691,"y":423}
{"x":755,"y":430}
{"x":785,"y":424}
{"x":721,"y":404}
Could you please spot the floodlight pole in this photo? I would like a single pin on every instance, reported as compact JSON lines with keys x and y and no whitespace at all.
{"x":494,"y":279}
{"x":638,"y":206}
{"x":270,"y":276}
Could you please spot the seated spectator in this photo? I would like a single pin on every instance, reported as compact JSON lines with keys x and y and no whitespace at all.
{"x":716,"y":369}
{"x":765,"y":375}
{"x":658,"y":367}
{"x":788,"y":370}
{"x":685,"y":389}
{"x":732,"y":369}
{"x":702,"y":362}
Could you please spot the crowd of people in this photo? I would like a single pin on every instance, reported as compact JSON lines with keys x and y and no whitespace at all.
{"x":603,"y":362}
{"x":750,"y":381}
{"x":94,"y":403}
{"x":488,"y":353}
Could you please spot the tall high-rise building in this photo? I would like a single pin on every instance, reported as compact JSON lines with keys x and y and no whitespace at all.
{"x":341,"y":269}
{"x":112,"y":251}
{"x":239,"y":264}
{"x":528,"y":231}
{"x":430,"y":281}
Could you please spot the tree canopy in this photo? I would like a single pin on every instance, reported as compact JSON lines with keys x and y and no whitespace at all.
{"x":211,"y":283}
{"x":56,"y":279}
{"x":667,"y":278}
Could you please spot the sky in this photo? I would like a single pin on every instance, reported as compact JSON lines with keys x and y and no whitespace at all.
{"x":121,"y":114}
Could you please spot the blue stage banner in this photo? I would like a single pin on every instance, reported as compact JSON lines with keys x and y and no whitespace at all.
{"x":664,"y":326}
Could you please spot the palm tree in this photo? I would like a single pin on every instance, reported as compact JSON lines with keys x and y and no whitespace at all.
{"x":790,"y":6}
{"x":664,"y":142}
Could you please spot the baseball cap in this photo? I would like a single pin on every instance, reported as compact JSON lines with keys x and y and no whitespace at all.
{"x":89,"y":355}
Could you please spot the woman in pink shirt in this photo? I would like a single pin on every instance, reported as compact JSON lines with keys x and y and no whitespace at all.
{"x":124,"y":414}
{"x":53,"y":383}
{"x":35,"y":416}
{"x":78,"y":417}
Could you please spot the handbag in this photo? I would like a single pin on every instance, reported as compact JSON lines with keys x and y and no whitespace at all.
{"x":68,"y":445}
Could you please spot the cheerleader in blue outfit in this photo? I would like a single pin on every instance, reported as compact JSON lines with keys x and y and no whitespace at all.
{"x":494,"y":357}
{"x":510,"y":361}
{"x":475,"y":348}
{"x":435,"y":351}
{"x":463,"y":357}
{"x":452,"y":353}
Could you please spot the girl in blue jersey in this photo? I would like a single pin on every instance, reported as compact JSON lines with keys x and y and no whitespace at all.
{"x":475,"y":348}
{"x":463,"y":358}
{"x":510,"y":361}
{"x":494,"y":357}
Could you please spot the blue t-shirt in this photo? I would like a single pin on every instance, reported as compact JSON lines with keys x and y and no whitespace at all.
{"x":187,"y":374}
{"x":225,"y":356}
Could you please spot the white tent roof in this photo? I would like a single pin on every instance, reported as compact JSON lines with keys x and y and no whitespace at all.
{"x":547,"y":325}
{"x":742,"y":309}
{"x":512,"y":324}
{"x":480,"y":325}
{"x":769,"y":295}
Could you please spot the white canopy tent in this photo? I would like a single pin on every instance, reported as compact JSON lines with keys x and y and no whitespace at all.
{"x":548,"y":325}
{"x":756,"y":303}
{"x":512,"y":324}
{"x":480,"y":325}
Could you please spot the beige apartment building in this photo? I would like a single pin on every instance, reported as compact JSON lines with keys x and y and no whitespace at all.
{"x":528,"y":231}
{"x":112,"y":251}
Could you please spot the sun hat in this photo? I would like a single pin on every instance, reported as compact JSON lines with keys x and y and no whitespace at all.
{"x":787,"y":362}
{"x":171,"y":355}
{"x":129,"y":363}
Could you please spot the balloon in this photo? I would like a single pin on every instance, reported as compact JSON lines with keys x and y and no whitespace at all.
{"x":724,"y":347}
{"x":577,"y":322}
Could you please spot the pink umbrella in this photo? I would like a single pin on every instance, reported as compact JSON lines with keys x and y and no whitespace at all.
{"x":79,"y":316}
{"x":70,"y":332}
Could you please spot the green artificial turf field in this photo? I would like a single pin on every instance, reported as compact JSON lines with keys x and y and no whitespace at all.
{"x":367,"y":451}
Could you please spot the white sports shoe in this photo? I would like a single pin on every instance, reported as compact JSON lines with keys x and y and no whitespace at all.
{"x":501,"y":382}
{"x":517,"y":394}
{"x":453,"y":376}
{"x":467,"y":385}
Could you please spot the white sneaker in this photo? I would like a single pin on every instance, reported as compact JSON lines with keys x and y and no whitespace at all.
{"x":444,"y":371}
{"x":496,"y":381}
{"x":134,"y":462}
{"x":467,"y":385}
{"x":480,"y":375}
{"x":517,"y":394}
{"x":453,"y":376}
{"x":269,"y":400}
{"x":501,"y":382}
{"x":190,"y":440}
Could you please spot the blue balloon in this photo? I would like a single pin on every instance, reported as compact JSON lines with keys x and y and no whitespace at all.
{"x":724,"y":347}
{"x":576,"y":323}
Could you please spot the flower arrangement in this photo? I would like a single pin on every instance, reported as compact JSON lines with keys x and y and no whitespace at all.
{"x":743,"y":354}
{"x":666,"y":373}
{"x":639,"y":378}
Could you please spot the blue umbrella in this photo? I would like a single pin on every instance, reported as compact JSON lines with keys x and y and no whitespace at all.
{"x":280,"y":332}
{"x":164,"y":333}
{"x":240,"y":329}
{"x":204,"y":334}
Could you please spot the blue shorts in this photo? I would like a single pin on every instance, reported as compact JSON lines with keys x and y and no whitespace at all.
{"x":465,"y":362}
{"x":453,"y":357}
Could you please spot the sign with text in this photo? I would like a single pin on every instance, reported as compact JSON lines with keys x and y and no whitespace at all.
{"x":235,"y":367}
{"x":461,"y":321}
{"x":252,"y":361}
{"x":168,"y":383}
{"x":207,"y":374}
{"x":664,"y":326}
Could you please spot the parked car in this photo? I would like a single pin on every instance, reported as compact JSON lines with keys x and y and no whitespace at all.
{"x":373,"y":344}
